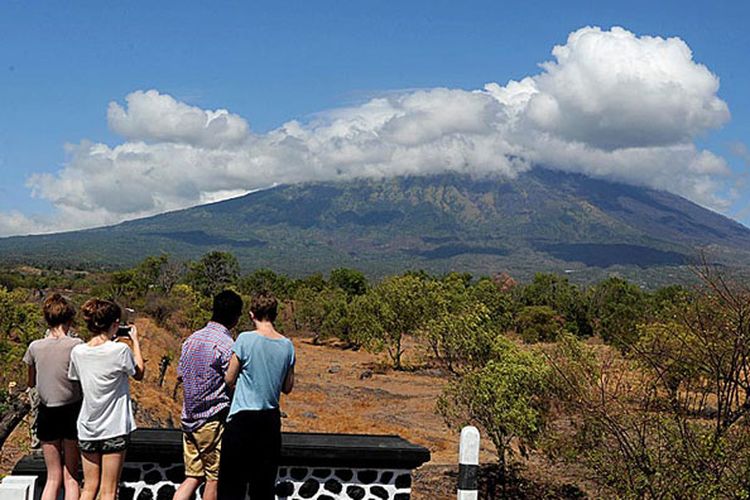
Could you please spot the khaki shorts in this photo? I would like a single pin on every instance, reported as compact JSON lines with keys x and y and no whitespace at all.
{"x":201,"y":450}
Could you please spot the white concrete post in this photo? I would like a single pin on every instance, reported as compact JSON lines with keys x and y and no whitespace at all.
{"x":468,"y":464}
{"x":14,"y":492}
{"x":17,"y":488}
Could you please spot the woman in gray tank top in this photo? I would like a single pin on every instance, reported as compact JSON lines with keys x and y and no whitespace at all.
{"x":60,"y":398}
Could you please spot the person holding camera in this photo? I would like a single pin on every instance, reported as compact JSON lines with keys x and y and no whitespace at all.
{"x":103,"y":366}
{"x":59,"y":398}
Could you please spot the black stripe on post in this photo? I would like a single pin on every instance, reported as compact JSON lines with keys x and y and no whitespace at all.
{"x":468,"y":477}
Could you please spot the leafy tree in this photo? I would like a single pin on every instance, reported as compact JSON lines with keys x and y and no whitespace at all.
{"x":383,"y":316}
{"x":192,"y":309}
{"x":464,"y":340}
{"x":158,"y":274}
{"x":447,"y":299}
{"x":324,"y":313}
{"x":556,"y":292}
{"x":315,"y":281}
{"x":666,"y":303}
{"x":617,"y":307}
{"x":20,"y":320}
{"x":351,"y":281}
{"x":148,"y":271}
{"x":507,"y":398}
{"x":420,"y":274}
{"x":154,"y":276}
{"x":539,"y":324}
{"x":123,"y":286}
{"x":213,"y":273}
{"x":20,"y":323}
{"x":498,"y":300}
{"x":459,"y":328}
{"x":266,"y":280}
{"x":463,"y":278}
{"x":462,"y":319}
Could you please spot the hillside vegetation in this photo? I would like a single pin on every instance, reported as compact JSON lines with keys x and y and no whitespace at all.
{"x":541,"y":221}
{"x":605,"y":390}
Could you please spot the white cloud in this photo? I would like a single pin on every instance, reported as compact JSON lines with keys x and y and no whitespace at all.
{"x":611,"y":104}
{"x":151,"y":116}
{"x":611,"y":90}
{"x":14,"y":222}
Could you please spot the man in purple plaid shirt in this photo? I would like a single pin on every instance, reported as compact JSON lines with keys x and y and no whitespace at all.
{"x":203,"y":363}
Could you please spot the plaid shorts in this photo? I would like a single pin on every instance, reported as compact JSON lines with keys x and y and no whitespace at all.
{"x":110,"y":445}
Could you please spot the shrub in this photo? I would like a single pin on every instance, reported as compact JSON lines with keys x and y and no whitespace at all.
{"x":618,"y":306}
{"x":669,"y":420}
{"x":538,"y":324}
{"x":507,"y":398}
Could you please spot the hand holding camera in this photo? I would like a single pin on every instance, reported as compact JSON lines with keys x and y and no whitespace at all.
{"x":127,"y":328}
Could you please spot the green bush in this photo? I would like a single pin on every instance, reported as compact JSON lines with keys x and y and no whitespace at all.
{"x":538,"y":324}
{"x":508,"y":398}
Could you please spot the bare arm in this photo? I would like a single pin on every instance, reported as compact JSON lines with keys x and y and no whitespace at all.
{"x":31,"y":378}
{"x":288,"y":381}
{"x":140,"y":368}
{"x":233,"y":371}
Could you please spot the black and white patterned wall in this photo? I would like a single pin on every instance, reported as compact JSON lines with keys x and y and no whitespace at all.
{"x":151,"y":481}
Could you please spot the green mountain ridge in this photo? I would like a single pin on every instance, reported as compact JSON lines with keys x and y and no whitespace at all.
{"x":543,"y":220}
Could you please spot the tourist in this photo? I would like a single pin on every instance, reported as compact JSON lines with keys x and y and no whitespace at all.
{"x":59,"y":398}
{"x":261,"y":367}
{"x":203,"y":363}
{"x":103,"y":366}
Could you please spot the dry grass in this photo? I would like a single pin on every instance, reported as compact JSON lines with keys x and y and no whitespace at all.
{"x":330,"y":395}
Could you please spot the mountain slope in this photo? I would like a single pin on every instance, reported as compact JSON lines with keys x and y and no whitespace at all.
{"x":541,"y":221}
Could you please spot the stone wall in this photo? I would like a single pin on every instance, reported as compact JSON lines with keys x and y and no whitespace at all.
{"x":313,"y":466}
{"x":151,"y":481}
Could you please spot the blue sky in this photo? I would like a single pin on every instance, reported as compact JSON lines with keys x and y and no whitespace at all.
{"x":61,"y":65}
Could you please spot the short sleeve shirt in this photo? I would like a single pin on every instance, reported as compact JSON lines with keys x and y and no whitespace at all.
{"x":103,"y":370}
{"x":203,"y":363}
{"x":264,"y":364}
{"x":50,"y":357}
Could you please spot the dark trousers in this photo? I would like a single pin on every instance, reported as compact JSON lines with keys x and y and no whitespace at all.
{"x":250,"y":450}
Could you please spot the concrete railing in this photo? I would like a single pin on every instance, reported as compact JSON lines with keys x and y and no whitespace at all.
{"x":313,"y":466}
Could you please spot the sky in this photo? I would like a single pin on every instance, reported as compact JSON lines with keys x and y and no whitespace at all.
{"x":111,"y":112}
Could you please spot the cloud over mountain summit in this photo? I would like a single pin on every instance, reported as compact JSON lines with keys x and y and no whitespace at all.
{"x":609,"y":104}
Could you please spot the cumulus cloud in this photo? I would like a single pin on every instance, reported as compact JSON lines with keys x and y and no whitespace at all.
{"x":151,"y":116}
{"x":609,"y":104}
{"x":613,"y":90}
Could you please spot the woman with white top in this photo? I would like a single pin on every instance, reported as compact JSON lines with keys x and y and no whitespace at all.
{"x":103,"y":366}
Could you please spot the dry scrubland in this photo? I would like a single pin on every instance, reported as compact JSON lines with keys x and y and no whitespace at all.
{"x":606,"y":391}
{"x":337,"y":390}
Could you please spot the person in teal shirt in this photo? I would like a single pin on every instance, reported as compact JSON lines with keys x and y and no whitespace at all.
{"x":260,"y":369}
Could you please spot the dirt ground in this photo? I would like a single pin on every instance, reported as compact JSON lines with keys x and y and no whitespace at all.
{"x":345,"y":391}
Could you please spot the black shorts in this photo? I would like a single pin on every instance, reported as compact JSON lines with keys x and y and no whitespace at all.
{"x":110,"y":445}
{"x":58,"y":422}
